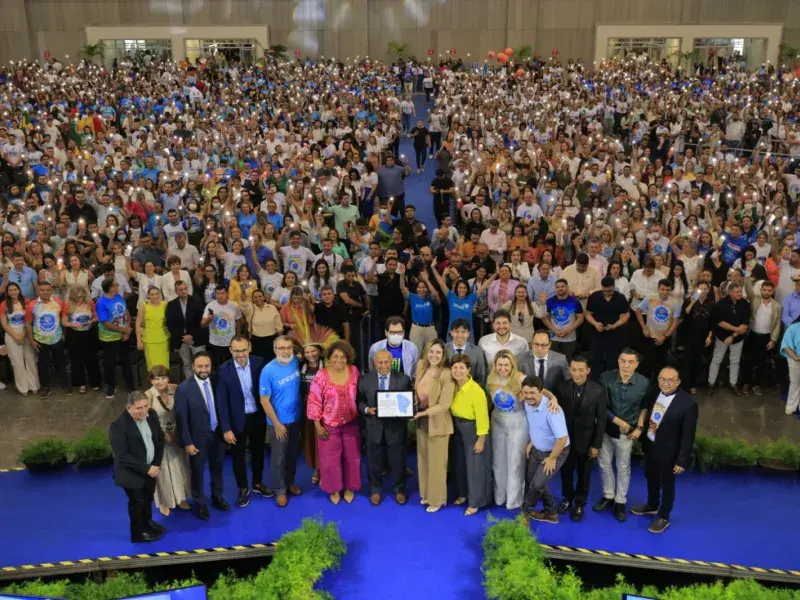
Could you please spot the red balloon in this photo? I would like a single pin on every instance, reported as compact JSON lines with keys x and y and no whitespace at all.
{"x":509,"y":52}
{"x":502,"y":58}
{"x":520,"y":72}
{"x":491,"y":54}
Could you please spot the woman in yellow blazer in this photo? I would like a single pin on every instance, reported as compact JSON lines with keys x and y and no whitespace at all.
{"x":433,"y":395}
{"x":241,"y":287}
{"x":470,"y":448}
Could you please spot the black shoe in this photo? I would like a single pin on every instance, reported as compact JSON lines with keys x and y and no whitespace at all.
{"x":110,"y":392}
{"x":603,"y":504}
{"x":44,"y":393}
{"x":619,"y":512}
{"x":156,"y":526}
{"x":261,"y":490}
{"x":146,"y":536}
{"x":201,"y":512}
{"x":220,"y":503}
{"x":644,"y":509}
{"x":243,"y":499}
{"x":576,"y":513}
{"x":659,"y":525}
{"x":563,"y":506}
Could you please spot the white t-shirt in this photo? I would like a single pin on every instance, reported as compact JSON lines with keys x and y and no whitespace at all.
{"x":222,"y":329}
{"x":296,"y":259}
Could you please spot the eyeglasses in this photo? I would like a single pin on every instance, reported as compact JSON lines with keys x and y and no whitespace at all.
{"x":535,"y":345}
{"x":242,"y":351}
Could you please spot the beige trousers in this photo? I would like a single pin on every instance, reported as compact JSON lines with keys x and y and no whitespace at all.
{"x":432,"y":466}
{"x":420,"y":336}
{"x":23,"y":362}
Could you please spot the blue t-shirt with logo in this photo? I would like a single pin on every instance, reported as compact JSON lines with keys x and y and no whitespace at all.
{"x":563,"y":313}
{"x":733,"y":248}
{"x":461,"y":308}
{"x":421,"y":309}
{"x":397,"y":357}
{"x":282,"y":384}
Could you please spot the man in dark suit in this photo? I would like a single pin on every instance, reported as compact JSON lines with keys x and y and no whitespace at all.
{"x":241,"y":416}
{"x":667,"y":445}
{"x":584,"y":405}
{"x":197,"y":424}
{"x":542,"y":362}
{"x":183,"y":315}
{"x":138,"y":444}
{"x":459,"y":330}
{"x":384,"y":432}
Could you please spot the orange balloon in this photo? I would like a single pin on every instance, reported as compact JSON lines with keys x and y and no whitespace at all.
{"x":509,"y":51}
{"x":520,"y":72}
{"x":502,"y":58}
{"x":491,"y":54}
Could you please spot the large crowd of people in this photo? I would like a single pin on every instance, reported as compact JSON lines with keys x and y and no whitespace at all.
{"x":605,"y":239}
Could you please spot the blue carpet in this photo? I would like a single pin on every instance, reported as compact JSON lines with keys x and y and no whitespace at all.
{"x":418,"y":186}
{"x":724,"y":517}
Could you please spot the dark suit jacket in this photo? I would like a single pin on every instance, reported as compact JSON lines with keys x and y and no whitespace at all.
{"x":675,"y":435}
{"x":191,"y":325}
{"x":192,"y":421}
{"x":130,"y":455}
{"x":557,"y":368}
{"x":229,"y":395}
{"x":586,"y":421}
{"x":393,"y":428}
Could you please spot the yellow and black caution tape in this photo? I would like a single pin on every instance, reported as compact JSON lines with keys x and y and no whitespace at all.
{"x":649,"y":562}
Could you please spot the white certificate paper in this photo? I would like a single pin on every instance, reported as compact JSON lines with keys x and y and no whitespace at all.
{"x":395,"y":404}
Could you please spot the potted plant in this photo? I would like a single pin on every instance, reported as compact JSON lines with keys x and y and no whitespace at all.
{"x":703,"y":452}
{"x":47,"y":454}
{"x":397,"y":49}
{"x":93,"y":450}
{"x":779,"y":455}
{"x":92,"y":51}
{"x":733,"y":453}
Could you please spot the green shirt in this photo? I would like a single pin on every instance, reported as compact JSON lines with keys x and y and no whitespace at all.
{"x":625,"y":400}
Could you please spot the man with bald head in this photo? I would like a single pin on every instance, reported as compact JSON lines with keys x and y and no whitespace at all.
{"x":384,"y":434}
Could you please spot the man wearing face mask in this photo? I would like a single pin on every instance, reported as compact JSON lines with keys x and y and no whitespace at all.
{"x":404,"y":354}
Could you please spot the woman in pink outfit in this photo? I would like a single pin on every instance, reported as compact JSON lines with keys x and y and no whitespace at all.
{"x":332,"y":408}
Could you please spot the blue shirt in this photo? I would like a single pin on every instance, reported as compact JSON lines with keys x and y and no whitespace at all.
{"x":25,"y":280}
{"x":421,"y":309}
{"x":282,"y":384}
{"x":461,"y":308}
{"x":397,"y":357}
{"x":246,"y":381}
{"x":791,"y":339}
{"x":790,"y":309}
{"x":537,"y":285}
{"x":262,"y":254}
{"x":733,"y":248}
{"x":544,"y":427}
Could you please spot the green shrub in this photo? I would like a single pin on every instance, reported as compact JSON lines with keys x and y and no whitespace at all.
{"x":734,"y":452}
{"x":514,"y":568}
{"x":301,"y":558}
{"x":95,"y":445}
{"x":780,"y":450}
{"x":46,"y":451}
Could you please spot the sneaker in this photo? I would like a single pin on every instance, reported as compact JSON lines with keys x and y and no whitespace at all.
{"x":603,"y":504}
{"x":757,"y":390}
{"x":265,"y":492}
{"x":44,"y":392}
{"x":243,"y":498}
{"x":619,"y":512}
{"x":2,"y":385}
{"x":563,"y":506}
{"x":110,"y":392}
{"x":544,"y":517}
{"x":68,"y":391}
{"x":737,"y":391}
{"x":659,"y":525}
{"x":644,"y":509}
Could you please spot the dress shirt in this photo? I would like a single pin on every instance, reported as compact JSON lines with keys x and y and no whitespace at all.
{"x":208,"y":395}
{"x":790,"y":309}
{"x":246,"y":381}
{"x":735,"y":314}
{"x":763,"y":321}
{"x":540,"y":366}
{"x":791,"y":340}
{"x":544,"y":427}
{"x":264,"y":321}
{"x":599,"y":264}
{"x":537,"y":285}
{"x":643,"y":285}
{"x":581,"y":284}
{"x":147,"y":437}
{"x":625,"y":400}
{"x":516,"y":344}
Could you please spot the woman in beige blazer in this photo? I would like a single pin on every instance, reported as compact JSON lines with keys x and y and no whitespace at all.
{"x":434,"y":389}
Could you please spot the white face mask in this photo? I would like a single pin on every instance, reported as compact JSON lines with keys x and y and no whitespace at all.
{"x":395,"y":339}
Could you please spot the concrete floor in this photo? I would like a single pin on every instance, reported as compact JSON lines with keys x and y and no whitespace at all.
{"x":26,"y":418}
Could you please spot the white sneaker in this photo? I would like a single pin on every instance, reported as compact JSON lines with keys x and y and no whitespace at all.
{"x":2,"y":385}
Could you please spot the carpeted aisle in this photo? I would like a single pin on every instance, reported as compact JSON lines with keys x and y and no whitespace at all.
{"x":392,"y":551}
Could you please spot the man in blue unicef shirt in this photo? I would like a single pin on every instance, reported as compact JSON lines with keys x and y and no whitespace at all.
{"x":733,"y":245}
{"x":385,"y":435}
{"x":279,"y":386}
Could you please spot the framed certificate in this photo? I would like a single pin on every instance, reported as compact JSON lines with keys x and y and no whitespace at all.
{"x":395,"y":404}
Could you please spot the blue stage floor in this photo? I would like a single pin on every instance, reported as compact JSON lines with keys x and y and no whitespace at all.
{"x":731,"y":518}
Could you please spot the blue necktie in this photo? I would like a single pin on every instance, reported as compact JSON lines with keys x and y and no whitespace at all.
{"x":383,"y":382}
{"x":541,"y":369}
{"x":212,"y":414}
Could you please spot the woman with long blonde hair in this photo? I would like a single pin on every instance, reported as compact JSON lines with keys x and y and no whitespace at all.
{"x":509,"y":430}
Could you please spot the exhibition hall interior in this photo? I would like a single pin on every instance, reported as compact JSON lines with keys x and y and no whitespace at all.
{"x":386,"y":299}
